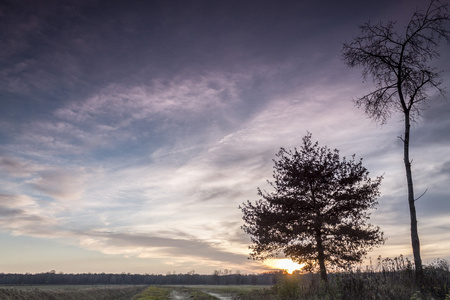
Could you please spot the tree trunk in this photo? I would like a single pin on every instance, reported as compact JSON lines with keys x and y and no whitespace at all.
{"x":411,"y":201}
{"x":321,"y":257}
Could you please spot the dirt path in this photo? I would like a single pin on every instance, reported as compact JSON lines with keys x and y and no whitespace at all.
{"x":220,"y":296}
{"x":178,"y":295}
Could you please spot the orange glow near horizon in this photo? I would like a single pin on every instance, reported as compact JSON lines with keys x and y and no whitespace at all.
{"x":284,"y":264}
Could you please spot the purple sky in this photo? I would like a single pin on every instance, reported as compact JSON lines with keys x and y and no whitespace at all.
{"x":130,"y":131}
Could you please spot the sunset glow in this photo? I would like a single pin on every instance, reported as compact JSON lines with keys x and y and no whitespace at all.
{"x":284,"y":264}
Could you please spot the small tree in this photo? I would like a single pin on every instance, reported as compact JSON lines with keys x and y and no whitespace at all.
{"x":318,"y":211}
{"x":400,"y":68}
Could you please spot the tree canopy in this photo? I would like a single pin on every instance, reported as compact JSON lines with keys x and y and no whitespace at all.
{"x":317,"y":214}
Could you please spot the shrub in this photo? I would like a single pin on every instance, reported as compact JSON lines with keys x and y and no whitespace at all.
{"x":288,"y":287}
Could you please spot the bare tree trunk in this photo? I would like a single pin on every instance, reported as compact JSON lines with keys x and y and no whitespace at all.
{"x":412,"y":207}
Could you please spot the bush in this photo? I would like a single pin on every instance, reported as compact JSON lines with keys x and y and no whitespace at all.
{"x":288,"y":287}
{"x":436,"y":279}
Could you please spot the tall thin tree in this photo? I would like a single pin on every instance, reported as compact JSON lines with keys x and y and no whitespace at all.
{"x":400,"y":66}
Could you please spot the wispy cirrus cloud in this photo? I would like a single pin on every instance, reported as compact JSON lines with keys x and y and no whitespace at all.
{"x":121,"y":114}
{"x":157,"y":99}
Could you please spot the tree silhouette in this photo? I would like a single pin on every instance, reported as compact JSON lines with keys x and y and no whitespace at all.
{"x":318,"y":211}
{"x":400,"y":68}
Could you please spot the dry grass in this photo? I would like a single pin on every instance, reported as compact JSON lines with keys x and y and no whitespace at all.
{"x":70,"y":293}
{"x":390,"y":279}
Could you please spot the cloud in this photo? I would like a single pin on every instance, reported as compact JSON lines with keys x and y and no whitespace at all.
{"x":14,"y":201}
{"x":56,"y":182}
{"x":445,"y":169}
{"x":120,"y":116}
{"x":16,"y":167}
{"x":23,"y":215}
{"x":150,"y":245}
{"x":121,"y":105}
{"x":432,"y":128}
{"x":59,"y":184}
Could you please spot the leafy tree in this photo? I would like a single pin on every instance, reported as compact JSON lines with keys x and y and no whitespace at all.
{"x":317,"y":213}
{"x":399,"y":65}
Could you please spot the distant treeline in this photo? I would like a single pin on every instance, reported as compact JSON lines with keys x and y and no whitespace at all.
{"x":103,"y":278}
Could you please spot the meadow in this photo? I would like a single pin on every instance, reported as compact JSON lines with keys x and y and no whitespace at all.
{"x":156,"y":292}
{"x":73,"y":292}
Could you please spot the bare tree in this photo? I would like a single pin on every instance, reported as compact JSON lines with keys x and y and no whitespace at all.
{"x":399,"y":65}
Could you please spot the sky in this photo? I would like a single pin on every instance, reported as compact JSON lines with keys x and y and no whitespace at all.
{"x":131,"y":131}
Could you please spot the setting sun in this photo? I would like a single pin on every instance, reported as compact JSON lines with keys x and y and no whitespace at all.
{"x":284,"y":264}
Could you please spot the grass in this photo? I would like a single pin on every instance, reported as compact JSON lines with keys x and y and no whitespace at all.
{"x":196,"y":294}
{"x":391,"y":279}
{"x":168,"y":292}
{"x":64,"y":292}
{"x":247,"y":292}
{"x":203,"y":292}
{"x":55,"y":292}
{"x":154,"y":293}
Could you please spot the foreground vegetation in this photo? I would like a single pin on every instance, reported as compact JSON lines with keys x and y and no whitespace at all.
{"x":391,"y":279}
{"x":55,"y":292}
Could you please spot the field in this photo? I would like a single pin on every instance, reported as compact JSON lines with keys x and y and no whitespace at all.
{"x":109,"y":292}
{"x":203,"y":292}
{"x":64,"y":292}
